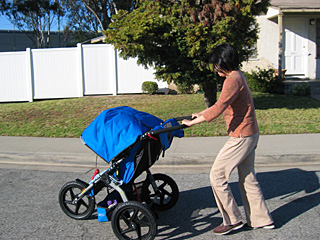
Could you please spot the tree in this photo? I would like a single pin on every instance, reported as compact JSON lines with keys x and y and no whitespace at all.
{"x":85,"y":19}
{"x":36,"y":16}
{"x":89,"y":18}
{"x":175,"y":37}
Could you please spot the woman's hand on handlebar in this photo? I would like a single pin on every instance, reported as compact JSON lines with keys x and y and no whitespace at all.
{"x":186,"y":122}
{"x":195,"y":115}
{"x":197,"y":118}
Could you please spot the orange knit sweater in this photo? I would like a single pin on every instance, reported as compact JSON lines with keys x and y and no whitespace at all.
{"x":236,"y":104}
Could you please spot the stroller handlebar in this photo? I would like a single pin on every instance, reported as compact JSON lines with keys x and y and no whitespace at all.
{"x":169,"y":129}
{"x":185,"y":117}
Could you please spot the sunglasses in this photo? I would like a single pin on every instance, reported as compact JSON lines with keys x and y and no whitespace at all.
{"x":217,"y":68}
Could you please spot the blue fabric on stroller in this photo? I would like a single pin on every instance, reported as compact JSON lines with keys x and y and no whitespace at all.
{"x":166,"y":138}
{"x":114,"y":130}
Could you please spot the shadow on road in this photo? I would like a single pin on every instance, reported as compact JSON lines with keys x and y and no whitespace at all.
{"x":197,"y":213}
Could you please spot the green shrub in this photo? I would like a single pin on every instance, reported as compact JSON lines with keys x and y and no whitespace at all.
{"x":302,"y":89}
{"x":263,"y":80}
{"x":184,"y":88}
{"x":149,"y":87}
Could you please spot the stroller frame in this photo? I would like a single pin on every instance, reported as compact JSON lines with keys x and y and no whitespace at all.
{"x":107,"y":178}
{"x":134,"y":214}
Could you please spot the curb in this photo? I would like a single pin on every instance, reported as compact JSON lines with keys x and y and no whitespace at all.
{"x":193,"y":164}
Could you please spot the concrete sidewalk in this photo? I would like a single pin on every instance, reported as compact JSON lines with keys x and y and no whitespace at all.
{"x":185,"y":154}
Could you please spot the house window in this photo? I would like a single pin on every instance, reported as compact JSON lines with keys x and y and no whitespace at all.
{"x":318,"y":37}
{"x":254,"y":55}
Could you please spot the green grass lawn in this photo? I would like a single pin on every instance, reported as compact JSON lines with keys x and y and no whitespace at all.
{"x":277,"y":114}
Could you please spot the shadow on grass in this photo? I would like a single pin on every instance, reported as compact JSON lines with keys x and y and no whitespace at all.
{"x":271,"y":101}
{"x":189,"y":218}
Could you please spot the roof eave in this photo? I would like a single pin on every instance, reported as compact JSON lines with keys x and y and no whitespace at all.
{"x":274,"y":11}
{"x":300,"y":10}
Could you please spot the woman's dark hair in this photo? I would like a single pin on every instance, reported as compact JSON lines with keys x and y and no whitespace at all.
{"x":225,"y":56}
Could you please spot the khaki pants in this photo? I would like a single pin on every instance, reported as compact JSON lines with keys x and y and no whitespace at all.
{"x":240,"y":153}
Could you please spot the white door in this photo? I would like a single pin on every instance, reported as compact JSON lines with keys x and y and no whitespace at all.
{"x":296,"y":46}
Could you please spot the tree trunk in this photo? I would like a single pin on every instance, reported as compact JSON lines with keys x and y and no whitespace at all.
{"x":210,"y":93}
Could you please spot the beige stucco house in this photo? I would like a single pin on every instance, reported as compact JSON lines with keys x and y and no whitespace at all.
{"x":289,"y":39}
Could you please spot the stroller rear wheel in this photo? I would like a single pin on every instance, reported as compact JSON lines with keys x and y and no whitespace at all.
{"x":80,"y":210}
{"x":167,"y":196}
{"x":133,"y":220}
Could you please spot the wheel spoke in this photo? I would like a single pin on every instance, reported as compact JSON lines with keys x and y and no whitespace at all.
{"x":125,"y":219}
{"x":139,"y":223}
{"x":162,"y":188}
{"x":82,"y":202}
{"x":165,"y":192}
{"x":71,"y":193}
{"x":124,"y":231}
{"x":161,"y":199}
{"x":128,"y":221}
{"x":138,"y":230}
{"x":134,"y":215}
{"x":77,"y":209}
{"x":143,"y":223}
{"x":162,"y":185}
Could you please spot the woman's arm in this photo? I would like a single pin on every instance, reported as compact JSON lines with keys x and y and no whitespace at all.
{"x":230,"y":91}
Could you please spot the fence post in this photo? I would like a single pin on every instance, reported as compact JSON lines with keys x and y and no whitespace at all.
{"x":115,"y":87}
{"x":29,"y":73}
{"x":80,"y":69}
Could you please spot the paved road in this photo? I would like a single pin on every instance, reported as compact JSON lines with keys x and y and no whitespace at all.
{"x":30,"y":209}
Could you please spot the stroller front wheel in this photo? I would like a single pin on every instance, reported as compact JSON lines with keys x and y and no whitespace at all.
{"x":133,"y":220}
{"x":80,"y":210}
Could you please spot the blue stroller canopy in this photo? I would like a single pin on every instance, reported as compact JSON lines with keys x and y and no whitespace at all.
{"x":115,"y":129}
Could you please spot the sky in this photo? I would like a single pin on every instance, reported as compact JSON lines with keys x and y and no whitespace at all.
{"x":5,"y":24}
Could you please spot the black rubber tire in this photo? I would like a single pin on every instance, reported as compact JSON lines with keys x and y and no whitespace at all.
{"x":169,"y":192}
{"x":83,"y":209}
{"x":133,"y":220}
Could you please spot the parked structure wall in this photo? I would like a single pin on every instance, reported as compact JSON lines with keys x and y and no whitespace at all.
{"x":16,"y":40}
{"x":69,"y":72}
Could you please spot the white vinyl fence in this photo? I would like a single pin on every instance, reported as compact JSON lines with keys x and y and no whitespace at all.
{"x":69,"y":72}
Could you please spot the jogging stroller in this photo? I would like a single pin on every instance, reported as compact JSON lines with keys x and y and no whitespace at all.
{"x":130,"y":141}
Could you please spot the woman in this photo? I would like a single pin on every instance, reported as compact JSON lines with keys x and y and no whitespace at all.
{"x":236,"y":104}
